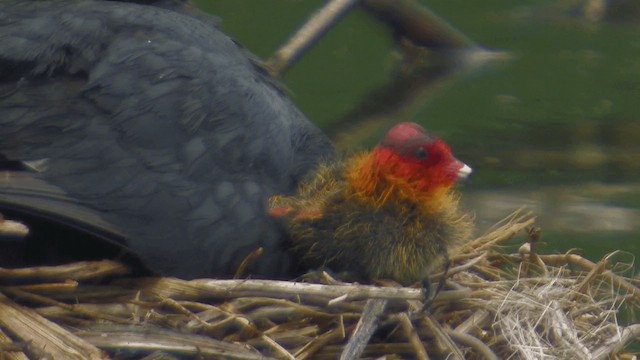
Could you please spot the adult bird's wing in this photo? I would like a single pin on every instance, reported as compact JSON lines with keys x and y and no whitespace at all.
{"x":24,"y":193}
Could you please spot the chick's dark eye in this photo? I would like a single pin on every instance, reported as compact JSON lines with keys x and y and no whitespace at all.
{"x":420,"y":153}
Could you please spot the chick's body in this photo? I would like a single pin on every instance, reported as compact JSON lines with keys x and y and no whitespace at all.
{"x":388,"y":214}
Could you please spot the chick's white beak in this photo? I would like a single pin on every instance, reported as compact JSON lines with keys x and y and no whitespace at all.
{"x":464,"y":171}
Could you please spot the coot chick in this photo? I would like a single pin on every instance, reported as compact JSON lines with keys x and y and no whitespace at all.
{"x":391,"y":213}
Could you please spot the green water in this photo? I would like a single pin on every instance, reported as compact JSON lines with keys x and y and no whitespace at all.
{"x":556,"y":127}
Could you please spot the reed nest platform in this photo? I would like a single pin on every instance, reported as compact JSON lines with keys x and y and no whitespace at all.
{"x":492,"y":305}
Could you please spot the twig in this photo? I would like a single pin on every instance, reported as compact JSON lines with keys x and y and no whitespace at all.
{"x":454,"y":270}
{"x":410,"y":19}
{"x":78,"y":309}
{"x":598,"y":269}
{"x":367,"y":324}
{"x":443,"y":338}
{"x":80,"y":271}
{"x":477,"y":321}
{"x":12,"y":228}
{"x":319,"y":23}
{"x":628,"y":334}
{"x":412,"y":336}
{"x":315,"y":345}
{"x":577,"y":260}
{"x":473,"y":342}
{"x":279,"y":350}
{"x":226,"y":289}
{"x":152,"y":339}
{"x":9,"y":350}
{"x":247,"y":261}
{"x":48,"y":339}
{"x":502,"y":232}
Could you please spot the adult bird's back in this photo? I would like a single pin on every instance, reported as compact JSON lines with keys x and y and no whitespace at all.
{"x":147,"y":127}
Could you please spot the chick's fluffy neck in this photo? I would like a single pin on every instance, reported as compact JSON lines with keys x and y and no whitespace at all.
{"x":378,"y":183}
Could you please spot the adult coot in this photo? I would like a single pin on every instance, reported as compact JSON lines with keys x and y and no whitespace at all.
{"x":147,"y":127}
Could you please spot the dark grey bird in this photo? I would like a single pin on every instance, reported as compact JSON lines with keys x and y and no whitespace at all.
{"x":149,"y":128}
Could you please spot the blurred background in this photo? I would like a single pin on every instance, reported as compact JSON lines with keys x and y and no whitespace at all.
{"x":551,"y":122}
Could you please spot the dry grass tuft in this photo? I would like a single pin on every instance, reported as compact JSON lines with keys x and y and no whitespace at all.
{"x":494,"y":306}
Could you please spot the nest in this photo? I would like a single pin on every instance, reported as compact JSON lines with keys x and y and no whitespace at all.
{"x":491,"y":305}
